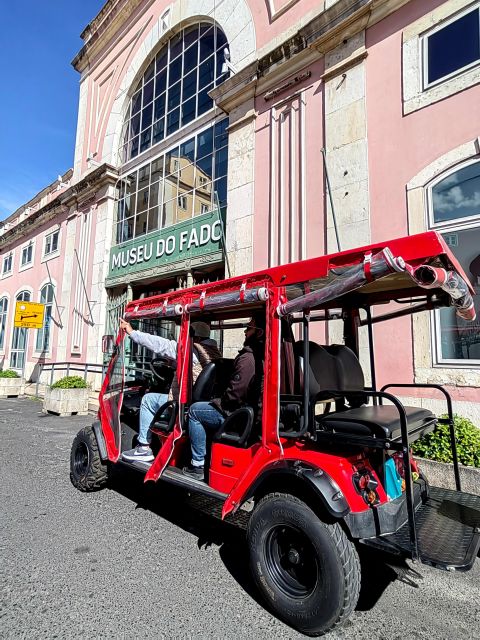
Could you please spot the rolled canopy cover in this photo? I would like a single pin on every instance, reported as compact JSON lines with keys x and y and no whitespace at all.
{"x":163,"y":311}
{"x":372,"y":268}
{"x":230,"y":299}
{"x":451,"y":282}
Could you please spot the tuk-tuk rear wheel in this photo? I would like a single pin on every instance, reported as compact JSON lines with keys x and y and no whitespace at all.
{"x":307,"y":570}
{"x":87,"y":470}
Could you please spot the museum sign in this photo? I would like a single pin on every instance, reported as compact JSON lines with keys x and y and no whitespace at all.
{"x":189,"y":243}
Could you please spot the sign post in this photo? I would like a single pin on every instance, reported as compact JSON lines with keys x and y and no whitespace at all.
{"x":29,"y":315}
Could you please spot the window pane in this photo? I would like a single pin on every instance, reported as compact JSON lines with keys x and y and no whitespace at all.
{"x":153,"y":219}
{"x":147,"y":116}
{"x":157,"y":169}
{"x":153,"y":197}
{"x":176,"y":45}
{"x":204,"y":101}
{"x":144,"y":177}
{"x":190,"y":59}
{"x":169,"y":210}
{"x":457,"y":195}
{"x":135,"y":125}
{"x":175,"y":71}
{"x":173,"y":120}
{"x":206,"y":74}
{"x":134,"y":147}
{"x":187,"y":149}
{"x":149,"y":72}
{"x":190,"y":85}
{"x":207,"y":44}
{"x":460,"y":340}
{"x":174,"y":96}
{"x":161,"y":59}
{"x":136,"y":102}
{"x":159,"y":130}
{"x":145,"y":140}
{"x":160,"y":106}
{"x":190,"y":35}
{"x":188,"y":111}
{"x":161,"y":82}
{"x":454,"y":47}
{"x":148,"y":93}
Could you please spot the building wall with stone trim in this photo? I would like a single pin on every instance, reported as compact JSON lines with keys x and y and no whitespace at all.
{"x":342,"y":76}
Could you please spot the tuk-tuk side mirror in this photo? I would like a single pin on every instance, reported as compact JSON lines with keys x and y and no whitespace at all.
{"x":107,"y":343}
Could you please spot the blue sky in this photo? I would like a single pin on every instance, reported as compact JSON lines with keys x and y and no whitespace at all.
{"x":38,"y":109}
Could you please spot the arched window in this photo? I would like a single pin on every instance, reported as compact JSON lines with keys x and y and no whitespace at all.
{"x":189,"y":178}
{"x":3,"y":320}
{"x":19,"y":338}
{"x":454,"y":210}
{"x":174,"y":89}
{"x":43,"y":335}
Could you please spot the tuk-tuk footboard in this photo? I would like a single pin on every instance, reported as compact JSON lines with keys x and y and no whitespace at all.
{"x":448,"y":531}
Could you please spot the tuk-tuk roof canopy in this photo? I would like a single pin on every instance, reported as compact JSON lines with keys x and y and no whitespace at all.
{"x":313,"y":274}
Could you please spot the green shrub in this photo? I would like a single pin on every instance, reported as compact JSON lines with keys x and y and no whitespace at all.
{"x":9,"y":373}
{"x":70,"y":382}
{"x":436,"y":445}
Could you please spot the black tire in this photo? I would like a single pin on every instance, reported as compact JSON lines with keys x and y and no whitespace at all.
{"x":307,"y":571}
{"x":87,"y":471}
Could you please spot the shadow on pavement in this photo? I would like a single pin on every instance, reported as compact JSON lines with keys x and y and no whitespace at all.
{"x":200,"y":516}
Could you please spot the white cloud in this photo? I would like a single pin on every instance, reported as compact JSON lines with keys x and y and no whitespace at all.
{"x":454,"y":199}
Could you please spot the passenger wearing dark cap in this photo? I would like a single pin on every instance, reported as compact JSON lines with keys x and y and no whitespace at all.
{"x":205,"y":350}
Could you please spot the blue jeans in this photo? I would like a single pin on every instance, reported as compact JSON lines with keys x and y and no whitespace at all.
{"x":202,"y":416}
{"x":151,"y":403}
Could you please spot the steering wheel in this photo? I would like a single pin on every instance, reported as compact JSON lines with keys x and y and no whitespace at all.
{"x":162,"y":368}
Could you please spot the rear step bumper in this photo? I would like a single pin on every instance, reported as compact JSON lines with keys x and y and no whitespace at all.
{"x":448,"y":531}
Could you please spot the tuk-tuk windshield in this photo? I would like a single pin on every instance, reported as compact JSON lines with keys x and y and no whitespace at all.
{"x":110,"y":400}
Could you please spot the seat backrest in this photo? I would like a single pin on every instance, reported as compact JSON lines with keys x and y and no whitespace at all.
{"x":212,"y":379}
{"x":332,"y":367}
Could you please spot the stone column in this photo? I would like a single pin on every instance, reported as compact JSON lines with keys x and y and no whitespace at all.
{"x":347,"y":157}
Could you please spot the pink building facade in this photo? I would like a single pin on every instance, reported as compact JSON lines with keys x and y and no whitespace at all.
{"x":204,"y":131}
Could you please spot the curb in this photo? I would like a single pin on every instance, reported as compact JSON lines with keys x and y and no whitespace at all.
{"x":440,"y":474}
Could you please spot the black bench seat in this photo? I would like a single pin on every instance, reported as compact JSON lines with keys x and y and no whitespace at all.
{"x":381,"y":421}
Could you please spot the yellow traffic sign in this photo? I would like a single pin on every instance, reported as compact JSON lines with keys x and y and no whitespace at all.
{"x":29,"y":315}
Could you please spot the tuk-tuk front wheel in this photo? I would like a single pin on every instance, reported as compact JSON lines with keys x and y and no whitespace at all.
{"x":307,"y":571}
{"x":87,"y":470}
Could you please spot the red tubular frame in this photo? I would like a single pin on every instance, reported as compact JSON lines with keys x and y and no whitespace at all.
{"x":416,"y":252}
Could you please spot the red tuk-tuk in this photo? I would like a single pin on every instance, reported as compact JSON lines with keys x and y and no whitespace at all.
{"x":318,"y":463}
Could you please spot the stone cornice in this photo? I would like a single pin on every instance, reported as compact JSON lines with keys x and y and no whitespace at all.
{"x":77,"y":194}
{"x":328,"y":29}
{"x":102,"y":28}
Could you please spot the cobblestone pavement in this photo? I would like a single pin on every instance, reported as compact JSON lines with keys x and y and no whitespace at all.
{"x":135,"y":561}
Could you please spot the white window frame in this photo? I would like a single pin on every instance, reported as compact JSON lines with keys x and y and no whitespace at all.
{"x":16,"y":330}
{"x":50,"y":330}
{"x":29,"y":264}
{"x":4,"y":296}
{"x":414,"y":95}
{"x":459,"y":224}
{"x":424,"y":44}
{"x":10,"y":256}
{"x":182,"y":201}
{"x":54,"y":252}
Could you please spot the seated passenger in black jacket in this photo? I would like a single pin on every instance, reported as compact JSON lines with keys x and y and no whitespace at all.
{"x":243,"y":388}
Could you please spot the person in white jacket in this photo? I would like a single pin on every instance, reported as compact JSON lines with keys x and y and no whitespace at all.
{"x":204,"y":351}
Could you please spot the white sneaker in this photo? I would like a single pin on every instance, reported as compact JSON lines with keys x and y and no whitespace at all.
{"x":142,"y":453}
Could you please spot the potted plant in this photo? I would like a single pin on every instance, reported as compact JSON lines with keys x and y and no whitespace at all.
{"x":435,"y":455}
{"x":66,"y":397}
{"x":11,"y":384}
